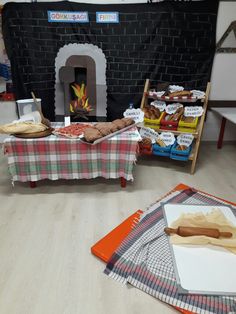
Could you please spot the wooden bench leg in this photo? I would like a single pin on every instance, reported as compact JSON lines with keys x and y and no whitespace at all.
{"x":122,"y":182}
{"x":32,"y":184}
{"x":221,"y":135}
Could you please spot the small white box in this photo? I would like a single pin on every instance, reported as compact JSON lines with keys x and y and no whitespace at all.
{"x":67,"y":120}
{"x":26,"y":106}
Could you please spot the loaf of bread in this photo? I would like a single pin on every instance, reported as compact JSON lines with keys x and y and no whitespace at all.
{"x":180,"y":93}
{"x":22,"y":127}
{"x":188,"y":119}
{"x":181,"y":147}
{"x":106,"y":127}
{"x":146,"y":141}
{"x":92,"y":134}
{"x":160,"y":142}
{"x":119,"y":123}
{"x":175,"y":116}
{"x":127,"y":121}
{"x":151,"y":112}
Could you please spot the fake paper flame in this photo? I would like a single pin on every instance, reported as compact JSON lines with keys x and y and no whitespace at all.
{"x":82,"y":101}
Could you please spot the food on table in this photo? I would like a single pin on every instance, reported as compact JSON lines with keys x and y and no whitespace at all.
{"x":106,"y":130}
{"x":101,"y":124}
{"x":95,"y":131}
{"x":113,"y":127}
{"x":180,"y":93}
{"x":106,"y":127}
{"x":127,"y":121}
{"x":103,"y":129}
{"x":22,"y":127}
{"x":151,"y":112}
{"x":73,"y":130}
{"x":92,"y":134}
{"x":119,"y":123}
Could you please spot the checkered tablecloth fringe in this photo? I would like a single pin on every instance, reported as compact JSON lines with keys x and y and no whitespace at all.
{"x":144,"y":260}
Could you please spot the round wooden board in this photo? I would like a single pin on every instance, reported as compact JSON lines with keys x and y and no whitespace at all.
{"x":35,"y":134}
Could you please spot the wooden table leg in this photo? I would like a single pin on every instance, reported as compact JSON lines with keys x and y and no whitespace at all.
{"x":122,"y":182}
{"x":221,"y":135}
{"x":32,"y":184}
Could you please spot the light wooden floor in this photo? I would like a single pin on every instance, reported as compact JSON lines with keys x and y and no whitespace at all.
{"x":46,"y":234}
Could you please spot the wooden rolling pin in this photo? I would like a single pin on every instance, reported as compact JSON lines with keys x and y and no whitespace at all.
{"x":194,"y":231}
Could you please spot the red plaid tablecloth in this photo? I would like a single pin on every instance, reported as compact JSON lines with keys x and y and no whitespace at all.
{"x":55,"y":157}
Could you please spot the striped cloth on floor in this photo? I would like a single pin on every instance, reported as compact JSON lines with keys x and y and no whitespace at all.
{"x":144,"y":260}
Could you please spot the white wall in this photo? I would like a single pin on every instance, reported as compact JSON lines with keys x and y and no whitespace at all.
{"x":223,"y":77}
{"x":223,"y":72}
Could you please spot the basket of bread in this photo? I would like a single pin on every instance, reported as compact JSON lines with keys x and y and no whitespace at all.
{"x":163,"y":144}
{"x":152,"y":116}
{"x":180,"y":152}
{"x":145,"y":146}
{"x":161,"y":149}
{"x":182,"y":147}
{"x":189,"y":120}
{"x":187,"y":124}
{"x":171,"y":117}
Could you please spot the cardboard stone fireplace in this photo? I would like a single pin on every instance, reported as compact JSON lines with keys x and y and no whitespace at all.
{"x":80,"y":81}
{"x":78,"y":77}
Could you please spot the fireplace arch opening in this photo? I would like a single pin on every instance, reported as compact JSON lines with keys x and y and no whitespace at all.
{"x":80,"y":84}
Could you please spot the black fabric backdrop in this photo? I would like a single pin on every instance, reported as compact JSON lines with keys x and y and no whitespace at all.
{"x":167,"y":42}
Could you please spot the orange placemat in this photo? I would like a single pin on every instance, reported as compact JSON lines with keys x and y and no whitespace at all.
{"x":105,"y":247}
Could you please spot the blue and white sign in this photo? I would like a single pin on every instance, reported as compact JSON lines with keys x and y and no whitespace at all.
{"x":167,"y":137}
{"x":148,"y":133}
{"x":107,"y":17}
{"x":68,"y":17}
{"x":185,"y":139}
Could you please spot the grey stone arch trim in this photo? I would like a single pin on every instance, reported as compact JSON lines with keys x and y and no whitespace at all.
{"x":99,"y":58}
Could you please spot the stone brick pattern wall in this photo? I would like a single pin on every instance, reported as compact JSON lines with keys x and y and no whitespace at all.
{"x":166,"y":42}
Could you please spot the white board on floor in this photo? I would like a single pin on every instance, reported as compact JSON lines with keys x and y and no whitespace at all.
{"x":202,"y":269}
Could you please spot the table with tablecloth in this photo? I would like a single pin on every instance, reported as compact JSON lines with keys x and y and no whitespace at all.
{"x":55,"y":157}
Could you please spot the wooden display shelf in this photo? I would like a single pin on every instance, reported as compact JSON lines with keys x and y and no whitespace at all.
{"x":182,"y":99}
{"x":192,"y":154}
{"x":197,"y":135}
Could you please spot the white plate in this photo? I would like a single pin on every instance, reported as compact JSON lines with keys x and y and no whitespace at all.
{"x":202,"y":269}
